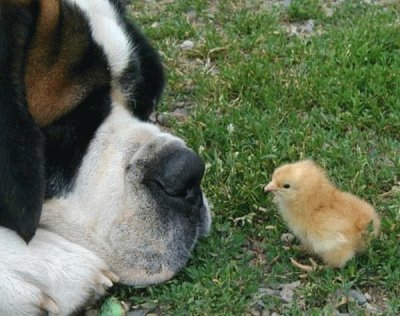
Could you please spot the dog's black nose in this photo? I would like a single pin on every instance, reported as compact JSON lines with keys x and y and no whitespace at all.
{"x":175,"y":177}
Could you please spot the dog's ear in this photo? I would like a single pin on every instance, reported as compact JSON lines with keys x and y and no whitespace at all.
{"x":17,"y":2}
{"x":21,"y":141}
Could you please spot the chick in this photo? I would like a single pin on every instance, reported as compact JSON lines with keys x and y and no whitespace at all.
{"x":330,"y":223}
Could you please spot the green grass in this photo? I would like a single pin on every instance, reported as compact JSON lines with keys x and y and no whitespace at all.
{"x":260,"y":98}
{"x":300,"y":10}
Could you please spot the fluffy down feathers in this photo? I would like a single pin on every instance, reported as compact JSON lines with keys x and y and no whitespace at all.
{"x":330,"y":223}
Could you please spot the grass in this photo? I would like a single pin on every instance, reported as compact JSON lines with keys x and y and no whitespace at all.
{"x":260,"y":97}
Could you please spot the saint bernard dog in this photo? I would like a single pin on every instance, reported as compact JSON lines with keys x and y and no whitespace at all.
{"x":90,"y":193}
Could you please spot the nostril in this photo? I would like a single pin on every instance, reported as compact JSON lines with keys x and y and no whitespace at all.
{"x":190,"y":192}
{"x":193,"y":195}
{"x":177,"y":173}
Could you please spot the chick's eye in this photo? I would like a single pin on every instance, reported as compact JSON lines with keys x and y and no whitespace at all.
{"x":286,"y":186}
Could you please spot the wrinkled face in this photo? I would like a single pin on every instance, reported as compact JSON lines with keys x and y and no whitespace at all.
{"x":137,"y":201}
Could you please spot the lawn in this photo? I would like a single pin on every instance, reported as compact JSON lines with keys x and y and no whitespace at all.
{"x":265,"y":85}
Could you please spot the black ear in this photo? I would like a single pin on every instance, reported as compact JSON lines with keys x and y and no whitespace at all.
{"x":21,"y":142}
{"x":144,"y":76}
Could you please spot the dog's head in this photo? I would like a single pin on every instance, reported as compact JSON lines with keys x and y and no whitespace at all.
{"x":136,"y":202}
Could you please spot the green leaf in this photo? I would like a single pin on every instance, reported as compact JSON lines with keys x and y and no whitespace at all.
{"x":112,"y":307}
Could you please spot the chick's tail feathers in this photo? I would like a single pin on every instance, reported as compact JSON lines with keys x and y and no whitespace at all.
{"x":376,"y":225}
{"x":370,"y":230}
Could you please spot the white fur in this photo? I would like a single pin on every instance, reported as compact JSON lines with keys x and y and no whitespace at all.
{"x":107,"y":32}
{"x":50,"y":274}
{"x":109,"y":221}
{"x":102,"y":170}
{"x":120,"y":140}
{"x":105,"y":221}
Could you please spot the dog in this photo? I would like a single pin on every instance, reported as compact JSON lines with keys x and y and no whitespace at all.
{"x":62,"y":62}
{"x":100,"y":195}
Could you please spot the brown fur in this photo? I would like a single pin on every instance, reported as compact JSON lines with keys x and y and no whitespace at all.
{"x":50,"y":93}
{"x":329,"y":222}
{"x":53,"y":86}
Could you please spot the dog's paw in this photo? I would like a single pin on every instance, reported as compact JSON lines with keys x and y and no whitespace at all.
{"x":50,"y":274}
{"x":20,"y":297}
{"x":70,"y":274}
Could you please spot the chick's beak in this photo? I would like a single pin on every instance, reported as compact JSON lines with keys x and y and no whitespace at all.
{"x":270,"y":187}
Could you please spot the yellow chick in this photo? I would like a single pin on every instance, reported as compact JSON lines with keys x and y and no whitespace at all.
{"x":330,"y":223}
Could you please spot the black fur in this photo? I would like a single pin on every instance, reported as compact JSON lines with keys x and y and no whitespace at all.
{"x":27,"y":150}
{"x":149,"y":82}
{"x":143,"y":80}
{"x":68,"y":138}
{"x":21,"y":142}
